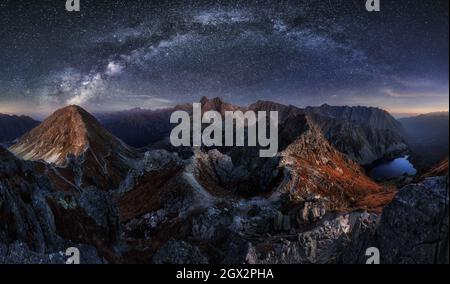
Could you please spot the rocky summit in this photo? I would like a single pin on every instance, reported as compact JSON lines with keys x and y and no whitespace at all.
{"x":70,"y":183}
{"x":80,"y":149}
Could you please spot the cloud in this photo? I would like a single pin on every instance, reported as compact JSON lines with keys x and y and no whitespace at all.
{"x":410,"y":94}
{"x":415,"y":88}
{"x":114,"y":69}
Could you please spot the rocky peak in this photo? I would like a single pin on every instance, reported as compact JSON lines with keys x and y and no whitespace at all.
{"x":284,"y":111}
{"x":72,"y":138}
{"x":364,"y":134}
{"x":68,"y":131}
{"x":267,"y":105}
{"x":217,"y":104}
{"x":375,"y":117}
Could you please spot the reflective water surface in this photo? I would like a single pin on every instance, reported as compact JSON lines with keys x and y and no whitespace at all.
{"x":394,"y":168}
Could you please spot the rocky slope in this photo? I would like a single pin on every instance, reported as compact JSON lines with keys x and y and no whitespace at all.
{"x":307,"y":163}
{"x":13,"y":127}
{"x":441,"y":169}
{"x":363,"y":134}
{"x":178,"y":220}
{"x":162,"y":214}
{"x":413,"y":229}
{"x":75,"y":143}
{"x":315,"y":166}
{"x":35,"y":219}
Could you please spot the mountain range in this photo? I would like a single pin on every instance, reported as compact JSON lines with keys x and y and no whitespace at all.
{"x":13,"y":126}
{"x":428,"y":137}
{"x":138,"y":127}
{"x":363,"y":134}
{"x":71,"y":182}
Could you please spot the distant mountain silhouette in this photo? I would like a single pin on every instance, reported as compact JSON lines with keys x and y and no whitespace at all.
{"x":363,"y":134}
{"x":428,"y":136}
{"x":13,"y":126}
{"x":138,"y":127}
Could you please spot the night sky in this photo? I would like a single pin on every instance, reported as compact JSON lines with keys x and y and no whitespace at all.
{"x":119,"y":54}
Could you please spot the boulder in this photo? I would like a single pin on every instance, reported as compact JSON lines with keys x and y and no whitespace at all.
{"x":414,"y":227}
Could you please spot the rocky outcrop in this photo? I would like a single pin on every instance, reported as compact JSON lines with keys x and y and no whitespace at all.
{"x":320,"y":245}
{"x":413,"y":229}
{"x":179,"y":252}
{"x":24,"y":213}
{"x":238,"y":172}
{"x":38,"y":224}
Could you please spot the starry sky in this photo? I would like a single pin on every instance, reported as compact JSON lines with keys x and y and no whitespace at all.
{"x":121,"y":54}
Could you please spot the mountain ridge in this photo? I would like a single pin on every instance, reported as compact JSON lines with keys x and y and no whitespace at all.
{"x":14,"y":126}
{"x":364,"y":134}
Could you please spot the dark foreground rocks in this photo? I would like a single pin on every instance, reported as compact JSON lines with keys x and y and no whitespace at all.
{"x":413,"y":229}
{"x":20,"y":253}
{"x":161,"y":213}
{"x":38,"y":223}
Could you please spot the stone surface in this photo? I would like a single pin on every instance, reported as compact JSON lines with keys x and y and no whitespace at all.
{"x":414,"y":227}
{"x":179,"y":252}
